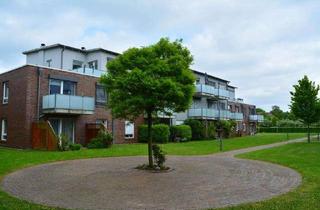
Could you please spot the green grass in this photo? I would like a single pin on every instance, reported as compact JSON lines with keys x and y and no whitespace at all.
{"x":13,"y":159}
{"x":302,"y":157}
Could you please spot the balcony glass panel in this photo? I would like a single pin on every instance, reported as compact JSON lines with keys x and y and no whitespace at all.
{"x":58,"y":103}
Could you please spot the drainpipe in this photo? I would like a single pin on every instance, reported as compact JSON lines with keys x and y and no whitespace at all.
{"x":61,"y":67}
{"x":38,"y":93}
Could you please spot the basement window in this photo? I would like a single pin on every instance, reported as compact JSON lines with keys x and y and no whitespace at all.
{"x":129,"y":130}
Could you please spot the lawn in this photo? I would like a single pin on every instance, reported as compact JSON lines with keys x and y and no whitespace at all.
{"x":302,"y":157}
{"x":13,"y":159}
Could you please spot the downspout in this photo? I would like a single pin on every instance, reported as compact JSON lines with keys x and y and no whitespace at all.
{"x":38,"y":93}
{"x":61,"y":67}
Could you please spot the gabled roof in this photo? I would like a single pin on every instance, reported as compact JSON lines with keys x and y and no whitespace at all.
{"x":70,"y":48}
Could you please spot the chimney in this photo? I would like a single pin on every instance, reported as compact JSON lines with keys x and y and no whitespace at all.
{"x":83,"y":48}
{"x":43,"y":44}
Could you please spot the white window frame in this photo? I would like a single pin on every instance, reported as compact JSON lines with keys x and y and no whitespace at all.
{"x":60,"y":128}
{"x":103,"y":121}
{"x":5,"y":93}
{"x":4,"y":133}
{"x":61,"y":86}
{"x":128,"y":131}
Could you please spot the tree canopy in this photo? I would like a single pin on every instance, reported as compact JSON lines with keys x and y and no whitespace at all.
{"x":305,"y":104}
{"x":148,"y":80}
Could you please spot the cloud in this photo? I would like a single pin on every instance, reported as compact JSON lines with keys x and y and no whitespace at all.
{"x":262,"y":47}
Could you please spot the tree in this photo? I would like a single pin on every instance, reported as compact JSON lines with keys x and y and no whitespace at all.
{"x":149,"y":80}
{"x":305,"y":104}
{"x":277,"y":112}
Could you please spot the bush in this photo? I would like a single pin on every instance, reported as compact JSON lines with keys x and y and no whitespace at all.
{"x":197,"y":128}
{"x":74,"y":147}
{"x":227,"y":127}
{"x":180,"y":133}
{"x":102,"y":140}
{"x":158,"y":156}
{"x":63,"y":143}
{"x":160,"y":133}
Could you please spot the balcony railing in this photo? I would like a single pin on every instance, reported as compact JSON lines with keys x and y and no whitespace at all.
{"x":214,"y":114}
{"x":67,"y":104}
{"x":236,"y":116}
{"x":210,"y":90}
{"x":208,"y":113}
{"x":258,"y":118}
{"x":89,"y":71}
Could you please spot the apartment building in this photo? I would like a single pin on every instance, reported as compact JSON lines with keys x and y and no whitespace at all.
{"x":60,"y":84}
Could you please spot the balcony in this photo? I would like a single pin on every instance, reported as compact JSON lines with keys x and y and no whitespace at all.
{"x":89,"y":71}
{"x":236,"y":116}
{"x":256,"y":118}
{"x":67,"y":104}
{"x":208,"y":113}
{"x":212,"y":91}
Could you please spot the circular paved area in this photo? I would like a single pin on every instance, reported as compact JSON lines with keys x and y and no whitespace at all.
{"x":198,"y":182}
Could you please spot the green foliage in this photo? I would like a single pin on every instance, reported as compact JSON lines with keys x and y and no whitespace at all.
{"x":158,"y":156}
{"x":160,"y":133}
{"x":64,"y":142}
{"x":305,"y":104}
{"x":227,"y":127}
{"x":74,"y":147}
{"x":150,"y":79}
{"x":102,"y":140}
{"x":197,"y":128}
{"x":289,"y":130}
{"x":289,"y":123}
{"x":180,"y":133}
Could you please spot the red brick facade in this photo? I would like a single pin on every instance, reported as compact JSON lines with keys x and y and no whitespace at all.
{"x":25,"y":105}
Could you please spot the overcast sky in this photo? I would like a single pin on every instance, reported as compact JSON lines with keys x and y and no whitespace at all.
{"x":262,"y":47}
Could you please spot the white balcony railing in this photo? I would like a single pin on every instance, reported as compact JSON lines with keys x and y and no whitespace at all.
{"x":68,"y":104}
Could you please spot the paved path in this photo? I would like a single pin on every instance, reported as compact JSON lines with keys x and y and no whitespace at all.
{"x":198,"y":182}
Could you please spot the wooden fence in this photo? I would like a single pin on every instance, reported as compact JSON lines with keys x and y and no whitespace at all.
{"x":43,"y":136}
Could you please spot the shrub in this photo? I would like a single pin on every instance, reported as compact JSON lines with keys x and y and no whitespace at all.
{"x":158,"y":156}
{"x":197,"y":128}
{"x":227,"y":127}
{"x":160,"y":133}
{"x":102,"y":140}
{"x":63,"y":143}
{"x":74,"y":147}
{"x":180,"y":133}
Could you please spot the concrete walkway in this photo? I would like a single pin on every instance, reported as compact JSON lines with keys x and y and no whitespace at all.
{"x":198,"y":182}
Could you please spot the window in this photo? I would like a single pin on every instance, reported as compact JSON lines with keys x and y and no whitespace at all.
{"x":93,"y":64}
{"x":109,"y":59}
{"x":129,"y":130}
{"x":63,"y":126}
{"x":5,"y":96}
{"x":101,"y":95}
{"x":76,"y":64}
{"x":4,"y":128}
{"x":62,"y":87}
{"x":102,"y":121}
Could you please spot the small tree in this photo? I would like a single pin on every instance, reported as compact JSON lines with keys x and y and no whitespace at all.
{"x":148,"y":80}
{"x":305,"y":104}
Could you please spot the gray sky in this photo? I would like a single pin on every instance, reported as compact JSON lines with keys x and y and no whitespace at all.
{"x":262,"y":47}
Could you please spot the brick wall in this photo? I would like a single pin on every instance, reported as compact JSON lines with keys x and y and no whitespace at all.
{"x":22,"y":108}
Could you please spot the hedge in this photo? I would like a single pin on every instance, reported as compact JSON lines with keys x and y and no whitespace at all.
{"x":289,"y":130}
{"x":180,"y":133}
{"x":160,"y":133}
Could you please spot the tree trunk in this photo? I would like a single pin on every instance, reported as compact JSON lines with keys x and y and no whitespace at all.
{"x":149,"y":116}
{"x":309,"y":141}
